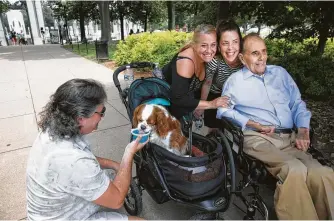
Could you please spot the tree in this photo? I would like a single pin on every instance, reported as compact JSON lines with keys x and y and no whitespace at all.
{"x":75,"y":10}
{"x":83,"y":11}
{"x":223,"y":10}
{"x":206,"y":13}
{"x":105,"y":20}
{"x":61,"y":10}
{"x":194,"y":13}
{"x":171,"y":15}
{"x":120,"y":10}
{"x":48,"y":15}
{"x":297,"y":21}
{"x":144,"y":12}
{"x":4,"y":6}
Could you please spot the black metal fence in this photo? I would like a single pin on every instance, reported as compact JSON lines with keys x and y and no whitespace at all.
{"x":90,"y":49}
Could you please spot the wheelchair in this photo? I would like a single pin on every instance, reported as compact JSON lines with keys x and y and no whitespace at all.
{"x":253,"y":172}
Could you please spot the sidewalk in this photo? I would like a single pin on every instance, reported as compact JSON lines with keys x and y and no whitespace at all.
{"x":28,"y":76}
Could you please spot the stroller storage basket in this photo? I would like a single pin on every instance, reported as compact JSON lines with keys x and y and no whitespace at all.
{"x":193,"y":177}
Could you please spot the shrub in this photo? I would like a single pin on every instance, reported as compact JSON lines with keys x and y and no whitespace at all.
{"x":313,"y":74}
{"x":153,"y":47}
{"x":280,"y":47}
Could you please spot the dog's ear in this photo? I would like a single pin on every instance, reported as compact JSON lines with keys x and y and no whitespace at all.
{"x":135,"y":114}
{"x":162,"y":123}
{"x":175,"y":124}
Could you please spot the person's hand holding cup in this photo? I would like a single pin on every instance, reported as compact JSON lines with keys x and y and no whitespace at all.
{"x":135,"y":145}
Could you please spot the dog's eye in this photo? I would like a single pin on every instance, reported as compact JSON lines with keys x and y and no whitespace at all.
{"x":151,"y":122}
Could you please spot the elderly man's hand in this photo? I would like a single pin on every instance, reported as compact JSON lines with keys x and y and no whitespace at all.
{"x":303,"y":139}
{"x":267,"y":129}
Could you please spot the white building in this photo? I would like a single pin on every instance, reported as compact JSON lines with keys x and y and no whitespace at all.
{"x":92,"y":30}
{"x":16,"y":22}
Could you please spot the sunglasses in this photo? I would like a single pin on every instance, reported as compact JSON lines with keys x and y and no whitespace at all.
{"x":103,"y":112}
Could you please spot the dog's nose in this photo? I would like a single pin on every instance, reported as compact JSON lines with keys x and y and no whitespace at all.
{"x":143,"y":127}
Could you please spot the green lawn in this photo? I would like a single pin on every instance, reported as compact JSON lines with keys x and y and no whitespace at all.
{"x":88,"y":51}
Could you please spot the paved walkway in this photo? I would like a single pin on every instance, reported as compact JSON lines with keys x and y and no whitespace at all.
{"x":28,"y":76}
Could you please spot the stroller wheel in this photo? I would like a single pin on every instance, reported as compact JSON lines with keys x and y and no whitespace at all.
{"x":256,"y":209}
{"x":133,"y":202}
{"x":204,"y":216}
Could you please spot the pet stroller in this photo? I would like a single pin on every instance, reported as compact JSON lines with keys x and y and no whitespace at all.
{"x":205,"y":183}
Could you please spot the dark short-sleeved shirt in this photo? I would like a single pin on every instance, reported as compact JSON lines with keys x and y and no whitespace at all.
{"x":184,"y":98}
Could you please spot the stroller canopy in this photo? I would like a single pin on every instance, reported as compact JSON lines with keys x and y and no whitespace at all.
{"x":146,"y":89}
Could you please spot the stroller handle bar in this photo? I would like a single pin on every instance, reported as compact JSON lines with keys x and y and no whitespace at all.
{"x":132,"y":65}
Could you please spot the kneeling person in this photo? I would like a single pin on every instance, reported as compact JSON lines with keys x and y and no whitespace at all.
{"x":64,"y":179}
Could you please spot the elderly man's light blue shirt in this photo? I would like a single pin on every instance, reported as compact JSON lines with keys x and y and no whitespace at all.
{"x":270,"y":99}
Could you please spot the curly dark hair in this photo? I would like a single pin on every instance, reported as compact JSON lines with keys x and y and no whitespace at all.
{"x":75,"y":98}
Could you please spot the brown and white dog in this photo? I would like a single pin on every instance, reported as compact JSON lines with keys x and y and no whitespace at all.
{"x":165,"y":129}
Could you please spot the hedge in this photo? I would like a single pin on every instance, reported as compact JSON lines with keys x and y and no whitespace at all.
{"x":153,"y":47}
{"x":313,"y":74}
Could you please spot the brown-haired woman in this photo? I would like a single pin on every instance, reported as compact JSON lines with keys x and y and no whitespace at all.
{"x":186,"y":73}
{"x":221,"y":67}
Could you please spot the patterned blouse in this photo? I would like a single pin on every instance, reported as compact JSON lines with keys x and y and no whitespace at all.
{"x":219,"y":71}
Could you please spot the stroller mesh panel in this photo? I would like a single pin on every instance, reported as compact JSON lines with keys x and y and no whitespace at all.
{"x":192,"y":177}
{"x":145,"y":89}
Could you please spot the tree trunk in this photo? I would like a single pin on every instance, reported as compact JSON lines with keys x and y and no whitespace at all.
{"x":324,"y":29}
{"x":145,"y":23}
{"x":259,"y":28}
{"x":171,"y":15}
{"x":82,"y":23}
{"x":196,"y":8}
{"x":68,"y":36}
{"x":244,"y":28}
{"x":223,"y":10}
{"x":4,"y":29}
{"x":323,"y":34}
{"x":105,"y":20}
{"x":121,"y":18}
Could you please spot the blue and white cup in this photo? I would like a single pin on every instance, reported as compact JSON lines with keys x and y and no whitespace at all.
{"x":135,"y":133}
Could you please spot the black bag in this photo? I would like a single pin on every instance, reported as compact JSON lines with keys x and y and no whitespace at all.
{"x":193,"y":177}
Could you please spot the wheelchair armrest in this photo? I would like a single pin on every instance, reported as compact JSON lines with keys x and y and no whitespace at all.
{"x":230,"y":124}
{"x":233,"y":132}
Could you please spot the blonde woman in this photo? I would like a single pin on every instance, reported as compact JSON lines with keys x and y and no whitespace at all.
{"x":186,"y":73}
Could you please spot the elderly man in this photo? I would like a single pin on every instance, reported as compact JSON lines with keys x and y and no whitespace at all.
{"x":64,"y":178}
{"x":266,"y":103}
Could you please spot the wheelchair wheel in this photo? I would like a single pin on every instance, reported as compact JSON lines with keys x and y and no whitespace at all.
{"x":204,"y":216}
{"x":133,"y":202}
{"x":261,"y":208}
{"x":257,"y":209}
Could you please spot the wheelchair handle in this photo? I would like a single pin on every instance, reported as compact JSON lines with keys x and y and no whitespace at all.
{"x":132,"y":65}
